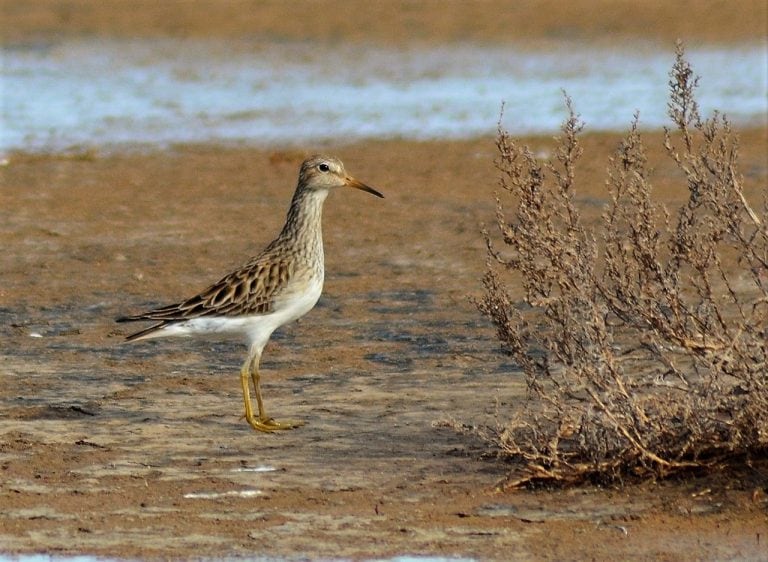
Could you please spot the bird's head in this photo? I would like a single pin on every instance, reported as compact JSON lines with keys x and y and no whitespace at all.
{"x":326,"y":173}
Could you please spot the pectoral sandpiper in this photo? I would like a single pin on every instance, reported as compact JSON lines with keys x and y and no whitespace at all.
{"x":274,"y":288}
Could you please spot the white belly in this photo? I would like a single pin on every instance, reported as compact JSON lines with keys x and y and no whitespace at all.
{"x":256,"y":328}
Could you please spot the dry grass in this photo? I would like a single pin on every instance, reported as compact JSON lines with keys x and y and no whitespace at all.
{"x":644,"y":340}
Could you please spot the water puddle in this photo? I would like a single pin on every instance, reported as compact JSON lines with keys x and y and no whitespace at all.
{"x":262,"y":468}
{"x":219,"y":495}
{"x":113,"y":93}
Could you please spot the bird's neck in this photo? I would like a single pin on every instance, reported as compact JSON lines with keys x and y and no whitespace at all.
{"x":304,"y":221}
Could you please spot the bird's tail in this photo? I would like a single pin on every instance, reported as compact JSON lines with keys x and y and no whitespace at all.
{"x":142,"y":334}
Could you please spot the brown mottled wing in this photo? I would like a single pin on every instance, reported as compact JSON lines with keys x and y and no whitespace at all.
{"x":249,"y":290}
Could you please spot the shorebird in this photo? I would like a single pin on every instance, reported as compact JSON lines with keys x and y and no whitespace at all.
{"x":276,"y":287}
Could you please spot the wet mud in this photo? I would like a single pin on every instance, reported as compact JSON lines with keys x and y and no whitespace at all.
{"x":140,"y":450}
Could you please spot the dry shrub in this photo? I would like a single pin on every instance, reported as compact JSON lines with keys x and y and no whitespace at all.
{"x":644,"y":340}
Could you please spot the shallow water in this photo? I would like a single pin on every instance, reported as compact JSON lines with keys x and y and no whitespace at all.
{"x":108,"y":93}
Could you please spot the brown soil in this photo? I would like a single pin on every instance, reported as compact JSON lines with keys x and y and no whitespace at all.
{"x":141,"y":450}
{"x":393,"y":21}
{"x":102,"y":443}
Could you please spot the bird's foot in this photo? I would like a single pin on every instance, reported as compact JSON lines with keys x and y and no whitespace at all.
{"x":268,"y":425}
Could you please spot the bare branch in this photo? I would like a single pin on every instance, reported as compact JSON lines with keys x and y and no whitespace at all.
{"x":602,"y":327}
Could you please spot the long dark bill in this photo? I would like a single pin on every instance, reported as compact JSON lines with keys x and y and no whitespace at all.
{"x":352,"y":182}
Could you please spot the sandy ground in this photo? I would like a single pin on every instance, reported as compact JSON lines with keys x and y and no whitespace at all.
{"x":393,"y":21}
{"x":141,"y":450}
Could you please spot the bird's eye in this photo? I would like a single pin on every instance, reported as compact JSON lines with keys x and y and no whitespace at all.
{"x":323,"y":167}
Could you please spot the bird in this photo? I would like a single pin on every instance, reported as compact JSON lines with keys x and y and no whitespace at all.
{"x":276,"y":287}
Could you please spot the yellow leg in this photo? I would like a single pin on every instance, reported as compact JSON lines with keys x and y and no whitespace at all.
{"x":263,"y":417}
{"x":262,"y":422}
{"x":254,"y":422}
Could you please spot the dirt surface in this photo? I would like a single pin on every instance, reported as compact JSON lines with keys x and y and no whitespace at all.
{"x":393,"y":21}
{"x":141,"y":451}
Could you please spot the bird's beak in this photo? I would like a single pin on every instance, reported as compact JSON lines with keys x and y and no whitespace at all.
{"x":352,"y":182}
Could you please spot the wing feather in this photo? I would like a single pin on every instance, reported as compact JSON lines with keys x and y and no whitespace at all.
{"x":249,"y":290}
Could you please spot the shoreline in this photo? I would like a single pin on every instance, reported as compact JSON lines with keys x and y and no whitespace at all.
{"x":754,"y":133}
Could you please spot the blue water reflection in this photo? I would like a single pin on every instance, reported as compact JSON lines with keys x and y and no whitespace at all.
{"x":116,"y":92}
